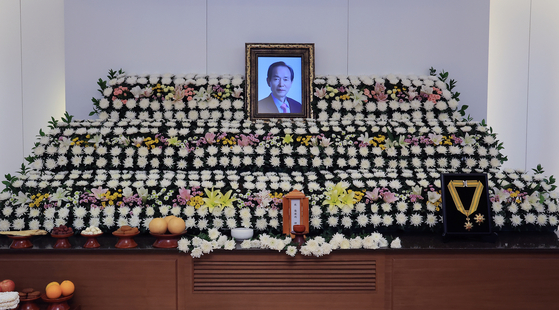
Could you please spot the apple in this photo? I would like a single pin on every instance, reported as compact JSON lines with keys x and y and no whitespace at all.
{"x":7,"y":286}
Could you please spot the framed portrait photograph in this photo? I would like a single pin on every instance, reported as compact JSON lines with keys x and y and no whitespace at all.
{"x":279,"y":78}
{"x":466,"y":207}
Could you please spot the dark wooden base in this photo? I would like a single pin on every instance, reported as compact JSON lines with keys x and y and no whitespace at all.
{"x":383,"y":279}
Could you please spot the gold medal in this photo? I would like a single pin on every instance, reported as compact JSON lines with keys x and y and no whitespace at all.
{"x":452,"y":185}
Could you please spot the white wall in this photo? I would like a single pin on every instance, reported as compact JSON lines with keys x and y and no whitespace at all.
{"x":543,"y":97}
{"x":209,"y":36}
{"x":137,"y":36}
{"x":509,"y":53}
{"x":523,"y":105}
{"x":11,"y":113}
{"x":32,"y":76}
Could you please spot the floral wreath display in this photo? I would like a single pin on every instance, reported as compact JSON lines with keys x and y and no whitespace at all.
{"x":370,"y":162}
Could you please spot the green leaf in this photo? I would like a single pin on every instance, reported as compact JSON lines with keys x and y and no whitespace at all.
{"x":102,"y":84}
{"x":23,"y":169}
{"x":53,"y":123}
{"x":443,"y":76}
{"x":67,"y":118}
{"x":30,"y":159}
{"x":538,"y":169}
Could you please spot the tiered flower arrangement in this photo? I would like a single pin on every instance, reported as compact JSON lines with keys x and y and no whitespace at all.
{"x":181,"y":145}
{"x":302,"y":145}
{"x":172,"y":97}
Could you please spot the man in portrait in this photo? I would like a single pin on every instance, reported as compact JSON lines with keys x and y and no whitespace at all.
{"x":279,"y":79}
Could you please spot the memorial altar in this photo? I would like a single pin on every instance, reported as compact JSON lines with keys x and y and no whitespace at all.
{"x":370,"y":161}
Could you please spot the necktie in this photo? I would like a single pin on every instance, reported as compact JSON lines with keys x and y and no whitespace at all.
{"x":284,"y":108}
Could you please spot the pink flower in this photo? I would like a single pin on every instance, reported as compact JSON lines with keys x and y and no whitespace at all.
{"x":389,"y":197}
{"x":210,"y":137}
{"x":179,"y":93}
{"x":147,"y":92}
{"x":237,"y":92}
{"x":433,"y":98}
{"x":97,"y":192}
{"x":185,"y":194}
{"x":263,"y":198}
{"x":379,"y":92}
{"x":320,"y":92}
{"x":374,"y":196}
{"x":244,"y":141}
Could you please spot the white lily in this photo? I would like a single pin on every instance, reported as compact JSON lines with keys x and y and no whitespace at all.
{"x":59,"y":196}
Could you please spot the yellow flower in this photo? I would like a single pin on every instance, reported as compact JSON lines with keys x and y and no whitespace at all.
{"x":276,"y":195}
{"x":287,"y":139}
{"x":196,"y":201}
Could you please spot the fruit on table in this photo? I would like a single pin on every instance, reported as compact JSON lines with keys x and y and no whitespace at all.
{"x":62,"y":230}
{"x":176,"y":225}
{"x":67,"y":287}
{"x":158,"y":226}
{"x":168,"y":218}
{"x":53,"y":291}
{"x":7,"y":286}
{"x":52,"y":283}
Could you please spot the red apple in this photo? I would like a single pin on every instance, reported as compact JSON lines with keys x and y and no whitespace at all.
{"x":7,"y":286}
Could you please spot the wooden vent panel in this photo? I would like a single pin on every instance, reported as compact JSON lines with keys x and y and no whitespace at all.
{"x":282,"y":276}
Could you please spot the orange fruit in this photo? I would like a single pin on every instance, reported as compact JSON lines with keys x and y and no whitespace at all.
{"x":54,"y":291}
{"x":168,"y":218}
{"x":52,"y":283}
{"x":67,"y":287}
{"x":158,"y":226}
{"x":176,"y":225}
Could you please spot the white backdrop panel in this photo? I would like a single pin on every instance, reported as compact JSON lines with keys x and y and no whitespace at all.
{"x":409,"y":37}
{"x":11,"y":117}
{"x":231,"y":24}
{"x":42,"y":66}
{"x":543,"y":108}
{"x":138,"y":36}
{"x":507,"y":96}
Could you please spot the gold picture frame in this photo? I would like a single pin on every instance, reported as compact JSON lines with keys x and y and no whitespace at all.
{"x":271,"y":96}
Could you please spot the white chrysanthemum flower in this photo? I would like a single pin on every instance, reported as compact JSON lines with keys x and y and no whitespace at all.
{"x":362,"y":220}
{"x":333,"y":221}
{"x":387,"y":220}
{"x":541,"y":219}
{"x":530,"y":218}
{"x":401,"y":219}
{"x":347,"y":222}
{"x":261,"y":224}
{"x":431,"y":220}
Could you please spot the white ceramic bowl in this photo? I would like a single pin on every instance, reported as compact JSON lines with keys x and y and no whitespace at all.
{"x":242,"y":233}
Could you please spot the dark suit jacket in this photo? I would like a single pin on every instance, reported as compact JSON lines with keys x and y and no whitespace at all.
{"x":267,"y":105}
